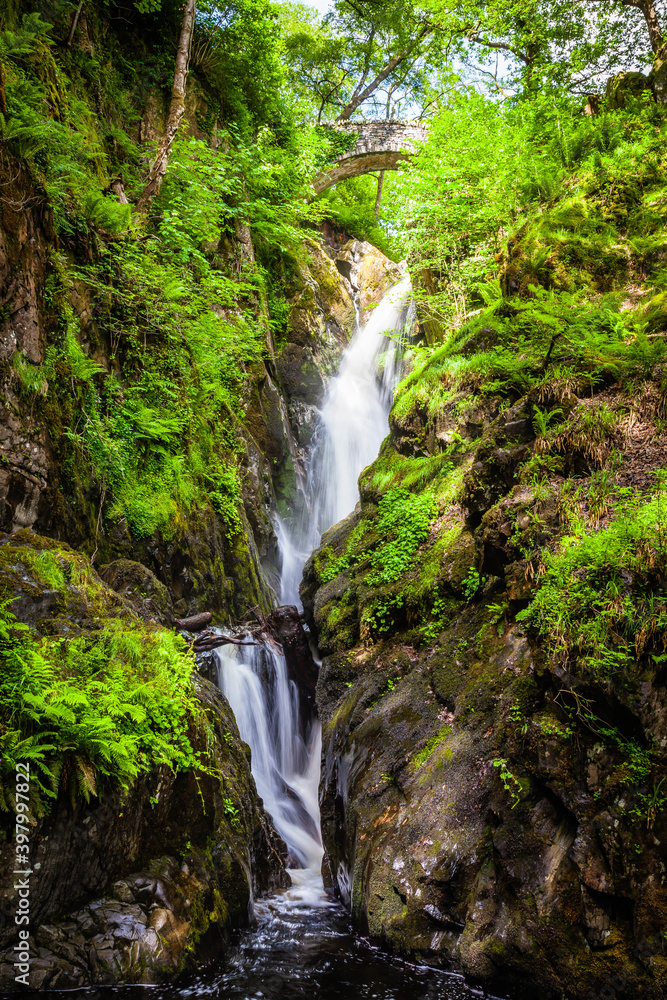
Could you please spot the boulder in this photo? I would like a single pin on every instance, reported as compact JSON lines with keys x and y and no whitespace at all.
{"x":146,"y":595}
{"x":369,"y":272}
{"x":627,"y":85}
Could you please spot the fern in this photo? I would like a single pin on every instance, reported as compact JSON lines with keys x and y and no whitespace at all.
{"x":97,"y":709}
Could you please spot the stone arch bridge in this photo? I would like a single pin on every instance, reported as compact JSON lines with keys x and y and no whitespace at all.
{"x":379,"y":146}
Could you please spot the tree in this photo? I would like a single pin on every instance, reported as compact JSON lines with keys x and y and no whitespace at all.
{"x":176,"y":108}
{"x":520,"y":45}
{"x":361,"y":48}
{"x":650,"y":14}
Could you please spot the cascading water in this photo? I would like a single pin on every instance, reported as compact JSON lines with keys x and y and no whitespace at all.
{"x":285,"y":761}
{"x":353,"y":424}
{"x":302,"y":944}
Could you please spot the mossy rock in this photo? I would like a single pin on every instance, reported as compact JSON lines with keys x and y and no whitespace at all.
{"x":460,"y":558}
{"x":655,"y":313}
{"x":624,"y":86}
{"x":54,"y":588}
{"x":146,"y":595}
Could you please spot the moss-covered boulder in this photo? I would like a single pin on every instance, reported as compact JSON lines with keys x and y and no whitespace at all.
{"x":627,"y":85}
{"x":142,"y":590}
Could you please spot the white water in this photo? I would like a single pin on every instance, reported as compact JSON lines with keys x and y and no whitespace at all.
{"x":353,"y":425}
{"x":285,"y":762}
{"x":285,"y":765}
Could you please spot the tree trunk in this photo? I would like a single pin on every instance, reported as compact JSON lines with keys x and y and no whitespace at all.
{"x":75,"y":21}
{"x":176,"y":108}
{"x":3,"y":93}
{"x":647,"y":8}
{"x":378,"y":197}
{"x":651,"y":17}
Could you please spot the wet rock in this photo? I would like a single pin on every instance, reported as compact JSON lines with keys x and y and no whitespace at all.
{"x":286,"y":627}
{"x":369,"y":272}
{"x":142,"y":590}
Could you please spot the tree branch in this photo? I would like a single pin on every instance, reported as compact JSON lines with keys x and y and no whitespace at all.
{"x":354,"y":103}
{"x":367,"y":64}
{"x":474,"y":37}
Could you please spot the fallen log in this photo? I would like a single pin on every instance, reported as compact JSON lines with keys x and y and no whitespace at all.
{"x":204,"y":643}
{"x":196,"y":623}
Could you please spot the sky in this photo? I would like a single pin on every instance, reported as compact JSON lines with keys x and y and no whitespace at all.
{"x":321,"y":5}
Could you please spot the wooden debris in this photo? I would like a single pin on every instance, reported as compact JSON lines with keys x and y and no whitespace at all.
{"x":196,"y":623}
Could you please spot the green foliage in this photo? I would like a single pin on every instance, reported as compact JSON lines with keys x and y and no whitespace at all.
{"x":595,"y":597}
{"x":106,"y":213}
{"x":554,"y":338}
{"x":542,"y":419}
{"x":231,"y":811}
{"x":472,"y":584}
{"x":351,"y":204}
{"x":157,"y":433}
{"x":226,"y":497}
{"x":94,"y":709}
{"x":650,"y":805}
{"x":21,"y":42}
{"x":404,"y":521}
{"x":438,"y":616}
{"x":518,"y":718}
{"x":380,"y":617}
{"x":490,"y":168}
{"x":511,"y":784}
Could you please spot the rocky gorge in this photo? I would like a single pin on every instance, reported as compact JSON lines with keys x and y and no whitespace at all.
{"x":490,"y":617}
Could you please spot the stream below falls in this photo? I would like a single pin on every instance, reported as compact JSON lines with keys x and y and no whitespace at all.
{"x":302,"y":943}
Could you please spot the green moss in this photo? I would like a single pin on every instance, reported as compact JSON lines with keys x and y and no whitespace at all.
{"x":431,"y":746}
{"x":583,"y":602}
{"x":432,"y":566}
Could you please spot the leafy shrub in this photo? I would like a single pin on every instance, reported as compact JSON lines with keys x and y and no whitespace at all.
{"x":404,"y":521}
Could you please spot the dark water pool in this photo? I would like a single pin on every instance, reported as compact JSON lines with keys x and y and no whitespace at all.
{"x":302,"y":947}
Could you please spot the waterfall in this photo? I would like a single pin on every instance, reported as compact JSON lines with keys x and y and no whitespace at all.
{"x":353,"y":423}
{"x":285,"y":763}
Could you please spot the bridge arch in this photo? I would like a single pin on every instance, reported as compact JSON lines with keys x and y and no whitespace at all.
{"x":380,"y":145}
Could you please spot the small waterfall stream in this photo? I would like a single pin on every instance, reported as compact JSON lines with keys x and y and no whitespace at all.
{"x":353,"y":424}
{"x":285,"y":761}
{"x":302,"y":944}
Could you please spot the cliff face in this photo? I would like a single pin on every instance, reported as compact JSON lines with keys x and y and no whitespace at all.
{"x":492,"y":623}
{"x":484,"y":807}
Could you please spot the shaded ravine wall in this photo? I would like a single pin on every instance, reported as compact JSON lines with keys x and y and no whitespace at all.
{"x":199,"y":563}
